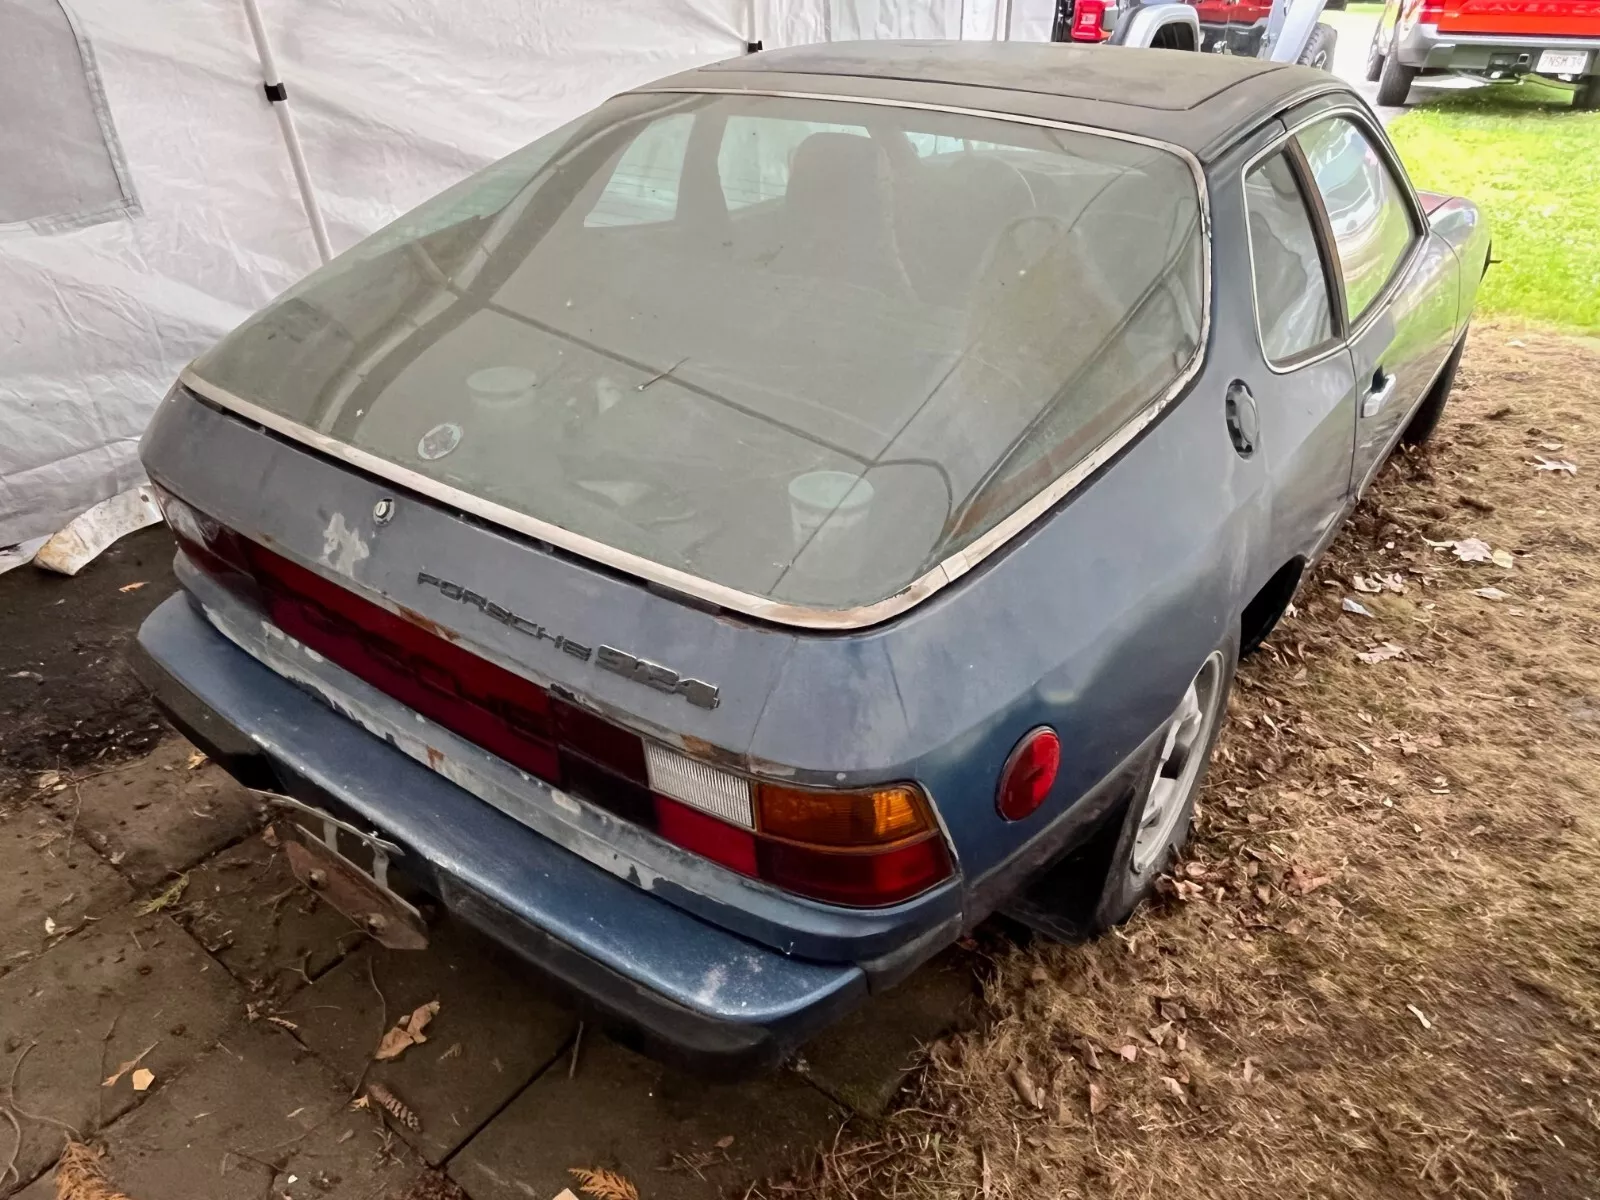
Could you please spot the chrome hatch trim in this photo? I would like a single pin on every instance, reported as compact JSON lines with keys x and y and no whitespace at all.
{"x":763,"y":608}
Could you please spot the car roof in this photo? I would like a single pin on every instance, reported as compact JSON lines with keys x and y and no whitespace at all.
{"x":1201,"y":102}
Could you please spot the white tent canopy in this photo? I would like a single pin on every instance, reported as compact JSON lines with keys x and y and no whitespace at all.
{"x":148,"y":202}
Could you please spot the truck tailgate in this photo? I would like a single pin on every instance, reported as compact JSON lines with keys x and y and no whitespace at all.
{"x":1526,"y":18}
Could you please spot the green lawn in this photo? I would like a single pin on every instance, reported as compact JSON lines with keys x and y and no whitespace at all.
{"x":1533,"y":166}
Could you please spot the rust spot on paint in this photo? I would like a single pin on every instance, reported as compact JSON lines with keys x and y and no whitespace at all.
{"x":706,"y":751}
{"x":435,"y":758}
{"x":428,"y":624}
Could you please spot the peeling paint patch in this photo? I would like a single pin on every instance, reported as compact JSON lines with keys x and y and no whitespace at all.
{"x":712,"y":984}
{"x":342,"y":546}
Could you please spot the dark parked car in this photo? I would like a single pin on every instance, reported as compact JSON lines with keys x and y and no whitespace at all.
{"x":732,"y":546}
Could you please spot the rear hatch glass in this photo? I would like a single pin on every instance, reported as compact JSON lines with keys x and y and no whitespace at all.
{"x":802,"y":350}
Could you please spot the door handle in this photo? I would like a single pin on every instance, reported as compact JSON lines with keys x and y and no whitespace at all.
{"x":1379,"y":394}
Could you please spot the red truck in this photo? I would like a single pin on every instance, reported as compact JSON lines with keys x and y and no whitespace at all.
{"x":1488,"y":39}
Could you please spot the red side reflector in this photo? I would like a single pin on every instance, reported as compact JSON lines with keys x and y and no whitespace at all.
{"x":1029,"y":774}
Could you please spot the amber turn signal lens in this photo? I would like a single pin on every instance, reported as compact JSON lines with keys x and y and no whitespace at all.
{"x":874,"y":817}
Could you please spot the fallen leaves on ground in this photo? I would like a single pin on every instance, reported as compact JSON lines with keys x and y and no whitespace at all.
{"x":111,"y":1079}
{"x":142,"y":1079}
{"x":391,"y":1104}
{"x":407,"y":1032}
{"x":79,"y":1176}
{"x":603,"y":1184}
{"x":167,"y":897}
{"x":196,"y":760}
{"x":1381,"y":653}
{"x":132,"y":587}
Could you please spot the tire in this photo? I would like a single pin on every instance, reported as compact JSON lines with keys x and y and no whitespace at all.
{"x":1319,"y":48}
{"x":1375,"y":56}
{"x":1395,"y":78}
{"x":1588,"y":94}
{"x":1426,"y":419}
{"x":1146,"y":843}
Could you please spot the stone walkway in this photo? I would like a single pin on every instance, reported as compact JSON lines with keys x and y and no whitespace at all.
{"x":257,"y":1009}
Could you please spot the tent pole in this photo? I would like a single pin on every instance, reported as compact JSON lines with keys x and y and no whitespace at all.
{"x":278,"y":96}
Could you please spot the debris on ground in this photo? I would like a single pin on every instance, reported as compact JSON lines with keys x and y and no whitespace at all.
{"x":393,"y":1105}
{"x":79,"y":1176}
{"x":111,"y":1079}
{"x":601,"y":1184}
{"x":407,"y":1032}
{"x":167,"y":897}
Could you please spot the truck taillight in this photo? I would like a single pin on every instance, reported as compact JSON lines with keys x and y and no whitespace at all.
{"x":865,"y":848}
{"x":1088,"y":20}
{"x":1430,"y":12}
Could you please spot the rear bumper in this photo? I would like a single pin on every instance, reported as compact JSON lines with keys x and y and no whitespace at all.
{"x":674,"y":985}
{"x":1432,"y":49}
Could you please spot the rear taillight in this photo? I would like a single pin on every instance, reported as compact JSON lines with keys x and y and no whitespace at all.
{"x":1088,"y":21}
{"x":1430,"y":12}
{"x":865,"y":848}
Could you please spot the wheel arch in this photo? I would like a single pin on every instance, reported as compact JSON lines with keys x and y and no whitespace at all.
{"x":1168,"y":22}
{"x":1265,"y":609}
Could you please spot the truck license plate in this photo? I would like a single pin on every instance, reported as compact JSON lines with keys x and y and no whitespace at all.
{"x":1562,"y":62}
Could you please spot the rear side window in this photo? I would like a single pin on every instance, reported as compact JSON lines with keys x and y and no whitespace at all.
{"x":644,"y":187}
{"x":1372,"y":224}
{"x":1291,"y":287}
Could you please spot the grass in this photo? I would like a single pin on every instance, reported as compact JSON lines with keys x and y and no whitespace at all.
{"x":1532,"y":164}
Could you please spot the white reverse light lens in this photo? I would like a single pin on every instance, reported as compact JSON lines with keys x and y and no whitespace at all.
{"x":699,"y":786}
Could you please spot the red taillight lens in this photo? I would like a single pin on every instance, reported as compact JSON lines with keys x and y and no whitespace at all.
{"x":869,"y":847}
{"x":1430,"y":12}
{"x":1088,"y":17}
{"x":1029,"y":774}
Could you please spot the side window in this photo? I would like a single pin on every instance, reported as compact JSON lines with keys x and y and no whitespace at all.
{"x":643,"y":188}
{"x":1372,"y":224}
{"x":1291,"y":287}
{"x":753,"y":161}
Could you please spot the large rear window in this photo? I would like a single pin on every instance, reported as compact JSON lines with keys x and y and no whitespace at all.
{"x":804,"y":349}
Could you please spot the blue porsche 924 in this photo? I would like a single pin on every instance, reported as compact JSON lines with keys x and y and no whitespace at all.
{"x":735,"y":544}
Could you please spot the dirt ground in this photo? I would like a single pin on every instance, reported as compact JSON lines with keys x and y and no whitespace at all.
{"x":1377,"y":974}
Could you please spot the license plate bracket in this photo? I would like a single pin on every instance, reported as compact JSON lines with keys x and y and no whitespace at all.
{"x":363,"y":896}
{"x":1562,"y":62}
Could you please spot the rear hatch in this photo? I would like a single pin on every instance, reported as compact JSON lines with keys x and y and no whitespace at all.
{"x":1531,"y":18}
{"x":652,"y":392}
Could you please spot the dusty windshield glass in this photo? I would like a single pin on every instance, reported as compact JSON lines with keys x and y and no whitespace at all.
{"x":804,"y":349}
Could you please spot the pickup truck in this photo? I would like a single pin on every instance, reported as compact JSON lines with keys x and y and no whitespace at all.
{"x":1487,"y":39}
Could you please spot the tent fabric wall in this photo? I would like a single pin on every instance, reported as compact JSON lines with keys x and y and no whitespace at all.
{"x":394,"y":99}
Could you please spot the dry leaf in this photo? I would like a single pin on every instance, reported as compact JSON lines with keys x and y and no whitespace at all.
{"x":132,"y":587}
{"x":1158,"y":1033}
{"x":1417,"y":1013}
{"x":111,"y":1079}
{"x":269,"y":835}
{"x":196,"y":760}
{"x":1176,"y":1088}
{"x":1471,"y":550}
{"x":173,"y":893}
{"x":603,"y":1184}
{"x":1381,"y":653}
{"x":49,"y":926}
{"x":393,"y":1105}
{"x":1503,"y":559}
{"x":722,"y":1143}
{"x":1026,"y":1088}
{"x":1363,"y":584}
{"x":1097,"y":1099}
{"x":407,"y":1032}
{"x":1491,"y":593}
{"x":565,"y":1194}
{"x":1250,"y":1072}
{"x":142,"y":1079}
{"x":1090,"y":1058}
{"x":283,"y":1021}
{"x":1129,"y":1052}
{"x":79,"y":1176}
{"x":1551,"y":446}
{"x":1351,"y":605}
{"x":1303,"y":881}
{"x":48,"y":779}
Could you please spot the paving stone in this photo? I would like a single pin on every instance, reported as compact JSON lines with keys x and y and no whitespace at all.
{"x":255,"y":1116}
{"x":659,"y":1127}
{"x":43,"y":877}
{"x":156,"y":817}
{"x":862,"y":1061}
{"x":245,"y":907}
{"x":127,"y":986}
{"x":496,"y":1029}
